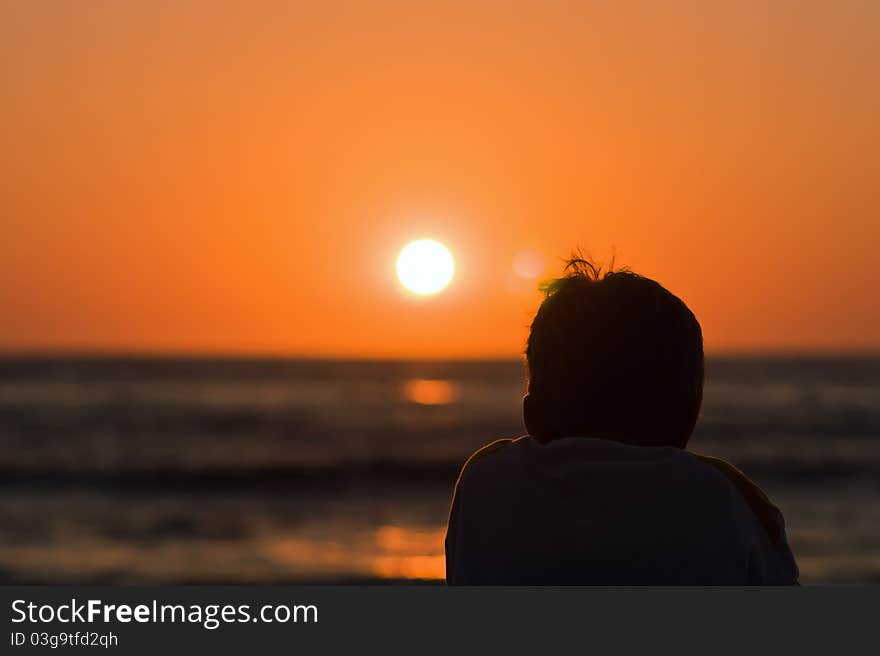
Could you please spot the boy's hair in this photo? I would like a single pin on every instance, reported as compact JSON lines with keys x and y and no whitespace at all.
{"x":613,"y":355}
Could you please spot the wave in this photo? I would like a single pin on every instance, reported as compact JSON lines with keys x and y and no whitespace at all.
{"x":386,"y":473}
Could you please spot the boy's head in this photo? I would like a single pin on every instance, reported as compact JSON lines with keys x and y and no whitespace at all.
{"x":613,"y":355}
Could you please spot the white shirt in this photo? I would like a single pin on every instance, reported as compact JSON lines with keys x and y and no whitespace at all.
{"x":588,"y":511}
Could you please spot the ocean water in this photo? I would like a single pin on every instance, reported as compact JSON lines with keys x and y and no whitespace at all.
{"x":230,"y":470}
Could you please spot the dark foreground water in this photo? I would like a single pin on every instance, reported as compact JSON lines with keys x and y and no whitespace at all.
{"x":173,"y":470}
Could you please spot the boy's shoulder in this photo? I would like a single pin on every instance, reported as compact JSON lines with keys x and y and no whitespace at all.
{"x":496,"y":457}
{"x":767,"y":514}
{"x":482,"y":455}
{"x":484,"y":451}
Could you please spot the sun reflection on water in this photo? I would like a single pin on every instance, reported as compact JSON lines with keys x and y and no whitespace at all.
{"x":389,"y":551}
{"x":427,"y":391}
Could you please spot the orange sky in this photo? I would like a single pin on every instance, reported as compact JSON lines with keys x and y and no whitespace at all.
{"x":221,"y":177}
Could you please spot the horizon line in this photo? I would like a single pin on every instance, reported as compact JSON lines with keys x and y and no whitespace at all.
{"x":255,"y":355}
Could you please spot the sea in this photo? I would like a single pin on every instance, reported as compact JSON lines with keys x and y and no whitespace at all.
{"x":235,"y":470}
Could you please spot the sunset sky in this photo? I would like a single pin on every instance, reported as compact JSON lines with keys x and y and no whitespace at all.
{"x":239,"y":177}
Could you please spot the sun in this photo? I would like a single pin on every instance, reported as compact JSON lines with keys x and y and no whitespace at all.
{"x":425,"y":267}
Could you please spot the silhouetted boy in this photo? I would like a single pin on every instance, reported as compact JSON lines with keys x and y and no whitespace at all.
{"x":602,"y":491}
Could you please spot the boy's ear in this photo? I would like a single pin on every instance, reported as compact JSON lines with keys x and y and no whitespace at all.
{"x":533,"y":416}
{"x":527,"y":402}
{"x":541,"y":421}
